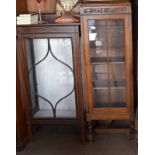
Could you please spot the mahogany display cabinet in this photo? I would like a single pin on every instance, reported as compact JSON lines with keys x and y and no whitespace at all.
{"x":107,"y":55}
{"x":50,"y":75}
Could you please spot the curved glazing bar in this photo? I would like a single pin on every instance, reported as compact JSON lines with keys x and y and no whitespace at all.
{"x":33,"y":91}
{"x":70,"y":68}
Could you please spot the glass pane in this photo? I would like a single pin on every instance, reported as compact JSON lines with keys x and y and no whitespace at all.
{"x":107,"y":52}
{"x":115,"y":34}
{"x":116,"y":71}
{"x":99,"y":72}
{"x":118,"y":97}
{"x":51,"y":77}
{"x":101,"y":97}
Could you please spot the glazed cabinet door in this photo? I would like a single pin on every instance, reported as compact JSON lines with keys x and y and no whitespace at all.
{"x":107,"y":54}
{"x":52,"y":74}
{"x":51,"y":77}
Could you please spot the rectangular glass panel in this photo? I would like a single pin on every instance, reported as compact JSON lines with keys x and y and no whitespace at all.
{"x":107,"y":57}
{"x":116,"y":71}
{"x":50,"y":72}
{"x":99,"y":72}
{"x":101,"y":97}
{"x":118,"y":97}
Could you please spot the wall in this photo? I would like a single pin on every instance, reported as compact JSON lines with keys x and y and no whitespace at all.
{"x":47,"y":6}
{"x":21,"y":6}
{"x":25,"y":6}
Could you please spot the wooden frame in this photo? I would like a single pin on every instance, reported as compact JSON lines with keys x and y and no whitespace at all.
{"x":21,"y":126}
{"x":47,"y":31}
{"x":128,"y":62}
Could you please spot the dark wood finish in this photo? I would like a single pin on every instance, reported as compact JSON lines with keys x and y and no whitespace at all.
{"x":135,"y":49}
{"x":21,"y":123}
{"x":135,"y":63}
{"x":50,"y":31}
{"x":112,"y":13}
{"x":21,"y":6}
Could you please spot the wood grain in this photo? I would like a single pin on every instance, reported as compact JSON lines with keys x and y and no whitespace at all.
{"x":47,"y":6}
{"x":21,"y":6}
{"x":51,"y":31}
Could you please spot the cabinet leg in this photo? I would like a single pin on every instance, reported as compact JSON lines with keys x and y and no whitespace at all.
{"x":83,"y":139}
{"x":90,"y":133}
{"x":29,"y":133}
{"x":132,"y":131}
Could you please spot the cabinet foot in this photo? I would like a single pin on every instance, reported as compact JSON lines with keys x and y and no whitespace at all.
{"x":83,"y":139}
{"x":29,"y":133}
{"x":134,"y":139}
{"x":90,"y":132}
{"x":132,"y":131}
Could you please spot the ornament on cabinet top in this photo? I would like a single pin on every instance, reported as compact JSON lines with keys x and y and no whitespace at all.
{"x":67,"y":11}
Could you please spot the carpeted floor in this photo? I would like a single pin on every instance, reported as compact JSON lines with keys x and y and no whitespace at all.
{"x":49,"y":140}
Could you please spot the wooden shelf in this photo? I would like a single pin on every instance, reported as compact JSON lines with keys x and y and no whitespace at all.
{"x":100,"y":63}
{"x":109,"y":88}
{"x":111,"y":84}
{"x":107,"y":59}
{"x":110,"y":104}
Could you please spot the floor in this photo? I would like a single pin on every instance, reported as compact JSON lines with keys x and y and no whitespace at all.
{"x":51,"y":140}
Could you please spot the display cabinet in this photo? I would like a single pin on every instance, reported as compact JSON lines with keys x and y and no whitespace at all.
{"x":107,"y":52}
{"x":50,"y":76}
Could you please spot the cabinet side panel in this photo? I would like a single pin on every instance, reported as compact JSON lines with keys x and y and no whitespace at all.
{"x":21,"y":126}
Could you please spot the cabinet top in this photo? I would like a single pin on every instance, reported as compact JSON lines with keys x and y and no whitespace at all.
{"x":49,"y":24}
{"x":107,"y":3}
{"x":105,"y":8}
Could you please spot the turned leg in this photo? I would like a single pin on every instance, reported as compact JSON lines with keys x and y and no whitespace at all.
{"x":29,"y":132}
{"x":132,"y":131}
{"x":83,"y":139}
{"x":90,"y":133}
